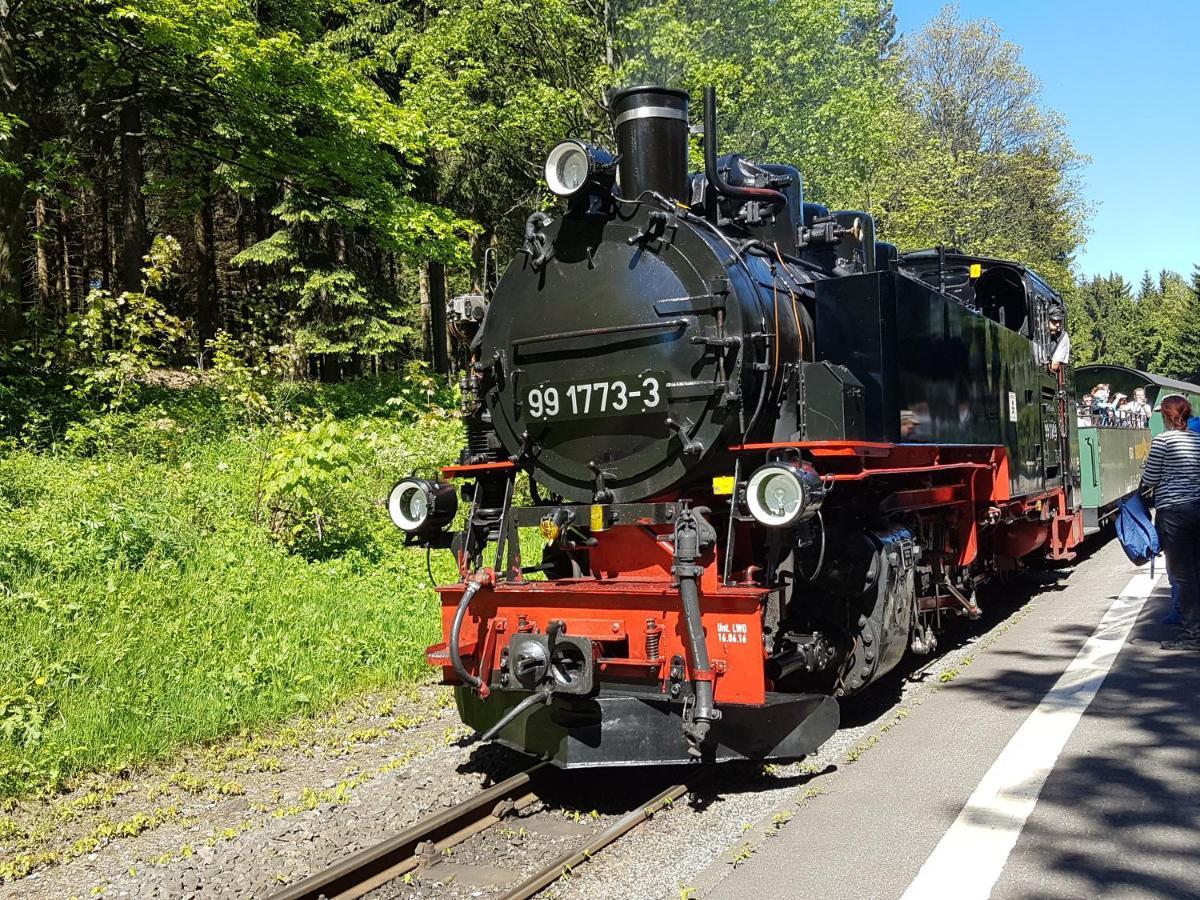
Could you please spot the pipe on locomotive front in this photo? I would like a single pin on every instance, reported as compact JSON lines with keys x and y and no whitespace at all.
{"x":652,"y":140}
{"x":710,"y":160}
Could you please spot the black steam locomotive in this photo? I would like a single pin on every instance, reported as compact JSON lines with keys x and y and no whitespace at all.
{"x":766,"y":453}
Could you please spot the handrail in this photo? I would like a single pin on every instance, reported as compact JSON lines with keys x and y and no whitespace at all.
{"x":669,"y":325}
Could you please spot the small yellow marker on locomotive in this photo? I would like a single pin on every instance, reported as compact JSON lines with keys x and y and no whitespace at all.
{"x":601,"y":517}
{"x":723,"y":485}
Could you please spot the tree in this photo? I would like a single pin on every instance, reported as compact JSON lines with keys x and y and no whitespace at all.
{"x":134,"y":235}
{"x":808,"y":83}
{"x":1000,"y":166}
{"x":212,"y":102}
{"x":320,"y":162}
{"x":1178,"y":352}
{"x":1101,"y":314}
{"x":1153,"y":332}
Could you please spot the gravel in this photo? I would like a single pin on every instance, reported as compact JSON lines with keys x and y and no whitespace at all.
{"x":687,"y":850}
{"x":373,"y":768}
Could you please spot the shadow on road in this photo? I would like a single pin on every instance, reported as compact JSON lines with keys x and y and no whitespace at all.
{"x":1120,"y":813}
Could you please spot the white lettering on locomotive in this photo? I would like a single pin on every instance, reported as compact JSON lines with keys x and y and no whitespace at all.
{"x":732,"y":633}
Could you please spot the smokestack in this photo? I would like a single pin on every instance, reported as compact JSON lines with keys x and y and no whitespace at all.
{"x":652,"y":138}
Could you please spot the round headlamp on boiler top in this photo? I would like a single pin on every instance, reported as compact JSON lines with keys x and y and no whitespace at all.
{"x":574,"y":168}
{"x":418,"y":506}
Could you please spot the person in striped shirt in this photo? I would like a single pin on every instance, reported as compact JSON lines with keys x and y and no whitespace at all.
{"x":1172,"y":472}
{"x":1175,"y":616}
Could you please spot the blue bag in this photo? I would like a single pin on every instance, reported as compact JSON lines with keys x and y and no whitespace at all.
{"x":1136,"y":531}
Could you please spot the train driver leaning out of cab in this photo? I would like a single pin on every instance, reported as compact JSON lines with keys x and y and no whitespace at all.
{"x":1061,"y":354}
{"x":1173,"y":472}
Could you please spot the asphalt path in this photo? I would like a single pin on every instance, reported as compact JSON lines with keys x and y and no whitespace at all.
{"x":1064,"y":761}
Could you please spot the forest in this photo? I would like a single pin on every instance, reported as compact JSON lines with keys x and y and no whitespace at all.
{"x":296,"y":186}
{"x":229,"y":228}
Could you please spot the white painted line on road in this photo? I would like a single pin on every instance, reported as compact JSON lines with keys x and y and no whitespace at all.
{"x":971,"y":855}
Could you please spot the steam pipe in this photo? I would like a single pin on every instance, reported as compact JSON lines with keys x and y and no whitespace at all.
{"x":710,"y":160}
{"x":702,"y":686}
{"x":540,"y":696}
{"x":689,"y":541}
{"x":478,"y":581}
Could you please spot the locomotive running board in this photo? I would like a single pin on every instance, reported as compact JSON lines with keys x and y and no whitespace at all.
{"x":614,"y":730}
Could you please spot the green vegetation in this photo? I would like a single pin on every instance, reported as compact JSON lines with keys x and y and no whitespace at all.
{"x":322,"y":166}
{"x":324,"y":174}
{"x":205,"y":206}
{"x":1152,"y":328}
{"x":169,"y":574}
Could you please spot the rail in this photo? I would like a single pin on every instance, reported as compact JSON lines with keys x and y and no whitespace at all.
{"x":566,"y":863}
{"x":369,"y":869}
{"x":372,"y":868}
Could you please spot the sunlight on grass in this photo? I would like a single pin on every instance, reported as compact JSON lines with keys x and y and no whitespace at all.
{"x":143,"y":606}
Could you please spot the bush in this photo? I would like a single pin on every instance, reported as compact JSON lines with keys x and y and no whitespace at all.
{"x":144,"y":606}
{"x":116,"y":340}
{"x":301,"y":478}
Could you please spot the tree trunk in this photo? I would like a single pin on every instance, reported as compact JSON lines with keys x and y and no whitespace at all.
{"x":423,"y":295}
{"x":610,"y":27}
{"x":477,"y":246}
{"x":106,"y":250}
{"x":437,"y":318}
{"x":433,"y":288}
{"x":133,"y":204}
{"x":81,"y":250}
{"x":12,"y":193}
{"x":65,"y":283}
{"x":206,"y":294}
{"x":243,"y":284}
{"x":41,"y":264}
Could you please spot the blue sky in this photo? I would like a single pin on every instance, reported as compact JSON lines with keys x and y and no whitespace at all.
{"x":1127,"y":78}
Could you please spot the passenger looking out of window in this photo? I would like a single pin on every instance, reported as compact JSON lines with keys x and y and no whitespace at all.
{"x":1138,"y":406}
{"x":1098,"y":403}
{"x":1084,"y":411}
{"x":1120,"y":411}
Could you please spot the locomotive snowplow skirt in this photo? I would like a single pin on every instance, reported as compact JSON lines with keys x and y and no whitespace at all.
{"x":615,"y":730}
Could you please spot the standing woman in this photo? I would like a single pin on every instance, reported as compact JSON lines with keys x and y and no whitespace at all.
{"x":1173,"y":472}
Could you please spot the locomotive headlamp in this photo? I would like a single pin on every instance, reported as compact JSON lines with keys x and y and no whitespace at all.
{"x":573,"y":167}
{"x":417,"y":506}
{"x":780,"y":494}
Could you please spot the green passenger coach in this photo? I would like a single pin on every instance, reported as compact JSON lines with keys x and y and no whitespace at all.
{"x":1113,"y":447}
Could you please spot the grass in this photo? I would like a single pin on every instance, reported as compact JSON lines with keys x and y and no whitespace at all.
{"x":149,"y":598}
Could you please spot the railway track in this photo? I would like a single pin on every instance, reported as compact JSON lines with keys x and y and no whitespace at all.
{"x":424,"y":842}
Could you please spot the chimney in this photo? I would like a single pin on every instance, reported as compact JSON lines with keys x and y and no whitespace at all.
{"x":652,"y":139}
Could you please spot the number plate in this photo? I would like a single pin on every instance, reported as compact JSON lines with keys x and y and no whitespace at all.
{"x":630,"y":395}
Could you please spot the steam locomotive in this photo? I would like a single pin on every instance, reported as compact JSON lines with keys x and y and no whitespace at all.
{"x":764,"y":454}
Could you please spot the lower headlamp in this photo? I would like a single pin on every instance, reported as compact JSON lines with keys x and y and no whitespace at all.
{"x":780,"y":494}
{"x":419,"y":506}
